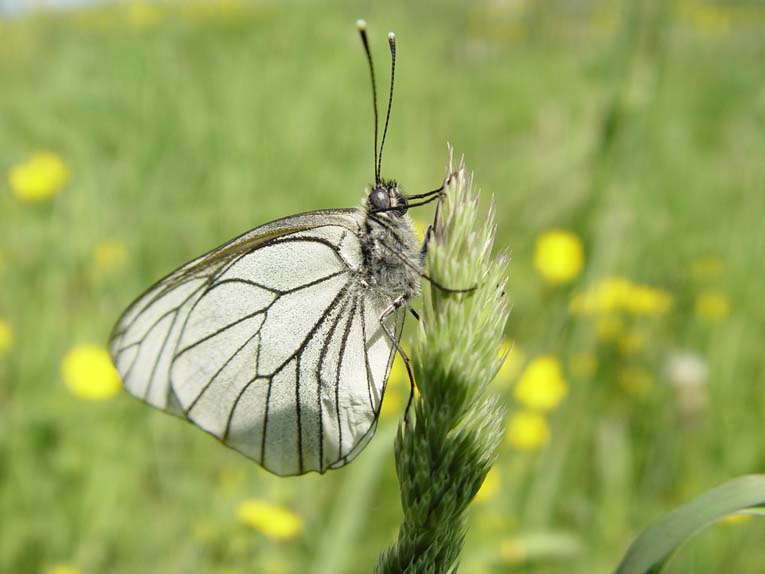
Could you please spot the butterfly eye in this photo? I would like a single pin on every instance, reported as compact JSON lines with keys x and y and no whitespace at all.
{"x":379,"y":199}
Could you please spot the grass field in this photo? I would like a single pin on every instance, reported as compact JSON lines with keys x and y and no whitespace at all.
{"x":639,"y":129}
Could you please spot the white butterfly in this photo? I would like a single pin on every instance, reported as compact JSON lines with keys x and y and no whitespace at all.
{"x":280,"y":342}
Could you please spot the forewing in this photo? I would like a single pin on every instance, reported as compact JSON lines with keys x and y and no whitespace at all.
{"x":270,"y":343}
{"x":144,"y":340}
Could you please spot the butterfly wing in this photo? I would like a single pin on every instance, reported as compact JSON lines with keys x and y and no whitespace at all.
{"x":270,"y":343}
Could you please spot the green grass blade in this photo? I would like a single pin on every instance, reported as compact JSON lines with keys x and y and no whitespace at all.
{"x":650,"y":552}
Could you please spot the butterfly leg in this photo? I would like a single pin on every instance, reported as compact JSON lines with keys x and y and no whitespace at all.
{"x":389,"y":310}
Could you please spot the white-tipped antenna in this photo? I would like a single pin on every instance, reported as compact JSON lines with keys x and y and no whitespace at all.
{"x":362,"y":27}
{"x":392,"y":45}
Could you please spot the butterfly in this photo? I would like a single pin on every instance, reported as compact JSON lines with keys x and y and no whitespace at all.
{"x":280,"y":342}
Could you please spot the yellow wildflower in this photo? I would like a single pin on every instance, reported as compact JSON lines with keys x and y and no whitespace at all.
{"x":6,"y":337}
{"x":392,"y":403}
{"x":541,"y":386}
{"x":514,"y":360}
{"x":62,"y":569}
{"x":528,"y":431}
{"x":712,"y":306}
{"x":490,"y":487}
{"x":636,"y":381}
{"x":642,"y":300}
{"x":620,"y":294}
{"x":274,"y":522}
{"x":559,"y":256}
{"x":38,"y":178}
{"x":109,"y":255}
{"x":89,"y":374}
{"x":706,"y":268}
{"x":398,"y":377}
{"x":398,"y":380}
{"x":584,"y":365}
{"x":604,"y":296}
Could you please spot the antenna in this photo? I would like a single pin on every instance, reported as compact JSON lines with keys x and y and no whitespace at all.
{"x":392,"y":45}
{"x":362,"y":27}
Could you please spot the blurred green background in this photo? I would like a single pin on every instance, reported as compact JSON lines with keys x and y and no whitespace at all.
{"x":623,"y":143}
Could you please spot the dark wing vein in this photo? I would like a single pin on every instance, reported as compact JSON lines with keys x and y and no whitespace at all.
{"x":367,"y":366}
{"x":157,"y":321}
{"x":341,"y":356}
{"x":218,"y":331}
{"x":230,"y":252}
{"x":174,"y":311}
{"x":319,"y":365}
{"x":219,"y":371}
{"x":299,"y":350}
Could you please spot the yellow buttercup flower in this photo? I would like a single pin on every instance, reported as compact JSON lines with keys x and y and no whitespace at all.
{"x":398,"y":377}
{"x":559,"y":256}
{"x":89,"y":374}
{"x":6,"y":337}
{"x":274,"y":522}
{"x":38,"y":178}
{"x":109,"y":255}
{"x":490,"y":487}
{"x":606,"y":295}
{"x":712,"y":306}
{"x":541,"y":386}
{"x":584,"y":365}
{"x":642,"y":300}
{"x":613,"y":294}
{"x":62,"y":569}
{"x":528,"y":431}
{"x":398,"y":384}
{"x":392,"y":403}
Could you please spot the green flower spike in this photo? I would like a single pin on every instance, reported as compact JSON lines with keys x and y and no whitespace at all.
{"x":449,"y":443}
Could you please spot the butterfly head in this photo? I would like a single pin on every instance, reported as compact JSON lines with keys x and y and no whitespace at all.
{"x":386,"y":197}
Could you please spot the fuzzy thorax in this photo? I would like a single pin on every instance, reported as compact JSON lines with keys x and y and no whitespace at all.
{"x":392,"y":256}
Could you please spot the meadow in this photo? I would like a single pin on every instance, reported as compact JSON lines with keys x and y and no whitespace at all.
{"x":623,"y":144}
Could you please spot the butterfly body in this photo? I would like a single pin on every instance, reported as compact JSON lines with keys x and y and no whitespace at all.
{"x":392,"y":256}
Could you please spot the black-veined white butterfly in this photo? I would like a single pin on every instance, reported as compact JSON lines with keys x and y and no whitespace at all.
{"x":280,"y":342}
